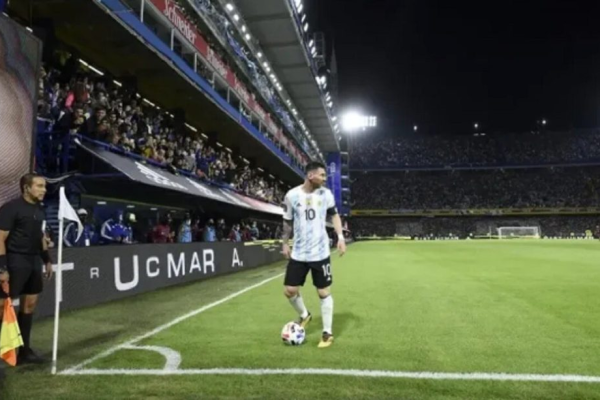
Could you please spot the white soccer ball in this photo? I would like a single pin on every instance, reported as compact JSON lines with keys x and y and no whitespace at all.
{"x":293,"y":334}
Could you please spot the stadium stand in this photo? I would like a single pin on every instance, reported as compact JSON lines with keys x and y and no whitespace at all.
{"x":468,"y":189}
{"x":74,"y":101}
{"x":80,"y":102}
{"x":470,"y":186}
{"x":517,"y":149}
{"x":473,"y":227}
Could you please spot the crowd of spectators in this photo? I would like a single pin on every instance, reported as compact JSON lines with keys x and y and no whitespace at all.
{"x":463,"y":227}
{"x":510,"y":149}
{"x":122,"y":228}
{"x":80,"y":102}
{"x":471,"y":189}
{"x":565,"y":184}
{"x":193,"y":230}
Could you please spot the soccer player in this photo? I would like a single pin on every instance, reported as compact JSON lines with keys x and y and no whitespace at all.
{"x":22,"y":245}
{"x":307,"y":207}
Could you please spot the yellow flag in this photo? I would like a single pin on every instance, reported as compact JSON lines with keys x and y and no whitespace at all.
{"x":10,"y":336}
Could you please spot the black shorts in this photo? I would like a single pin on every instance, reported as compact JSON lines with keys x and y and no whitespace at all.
{"x":295,"y":274}
{"x":26,"y":275}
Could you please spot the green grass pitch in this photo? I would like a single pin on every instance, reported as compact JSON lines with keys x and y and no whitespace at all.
{"x":512,"y":307}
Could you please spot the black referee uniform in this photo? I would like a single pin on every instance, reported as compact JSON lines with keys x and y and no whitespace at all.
{"x":24,"y":222}
{"x":24,"y":261}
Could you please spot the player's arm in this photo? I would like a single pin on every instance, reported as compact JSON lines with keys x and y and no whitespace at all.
{"x":3,"y":260}
{"x":7,"y":219}
{"x":337,"y":224}
{"x":286,"y":232}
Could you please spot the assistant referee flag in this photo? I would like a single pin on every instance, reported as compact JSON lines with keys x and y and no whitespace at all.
{"x":10,"y":336}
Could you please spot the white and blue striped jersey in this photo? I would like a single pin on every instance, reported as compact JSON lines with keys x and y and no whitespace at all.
{"x":309,"y":213}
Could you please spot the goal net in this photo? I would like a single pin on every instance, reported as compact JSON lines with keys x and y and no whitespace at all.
{"x":518,"y":232}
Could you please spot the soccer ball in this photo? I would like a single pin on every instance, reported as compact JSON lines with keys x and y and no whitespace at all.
{"x":293,"y":334}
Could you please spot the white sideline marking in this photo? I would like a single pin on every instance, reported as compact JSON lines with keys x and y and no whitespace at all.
{"x":172,"y":357}
{"x":161,"y":328}
{"x":472,"y":376}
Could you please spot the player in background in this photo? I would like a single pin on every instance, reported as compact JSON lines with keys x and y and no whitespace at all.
{"x":306,"y":209}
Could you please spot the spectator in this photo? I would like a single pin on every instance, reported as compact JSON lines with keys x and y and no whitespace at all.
{"x":130,"y":219}
{"x":235,"y":235}
{"x":246,"y":236}
{"x":197,"y":231}
{"x":162,"y":232}
{"x":114,"y":231}
{"x":254,"y":232}
{"x":210,"y":234}
{"x":221,"y":230}
{"x":185,"y":230}
{"x":88,"y":236}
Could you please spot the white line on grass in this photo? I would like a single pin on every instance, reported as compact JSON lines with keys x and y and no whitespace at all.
{"x":472,"y":376}
{"x":172,"y":357}
{"x":161,"y":328}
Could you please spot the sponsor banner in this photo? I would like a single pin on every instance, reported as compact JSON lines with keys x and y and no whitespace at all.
{"x":180,"y":22}
{"x":468,"y":212}
{"x":150,"y":175}
{"x":334,"y":177}
{"x":96,"y":275}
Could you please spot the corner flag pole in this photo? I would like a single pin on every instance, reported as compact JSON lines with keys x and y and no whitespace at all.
{"x":65,"y":211}
{"x":58,"y":283}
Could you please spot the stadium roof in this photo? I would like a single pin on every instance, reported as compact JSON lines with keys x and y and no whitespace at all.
{"x":272,"y":23}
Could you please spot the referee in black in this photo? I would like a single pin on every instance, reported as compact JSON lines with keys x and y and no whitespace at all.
{"x":22,"y":245}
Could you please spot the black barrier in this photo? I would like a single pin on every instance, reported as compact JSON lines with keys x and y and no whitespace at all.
{"x":96,"y":275}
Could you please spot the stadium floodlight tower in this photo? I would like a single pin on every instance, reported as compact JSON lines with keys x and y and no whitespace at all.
{"x":354,"y":121}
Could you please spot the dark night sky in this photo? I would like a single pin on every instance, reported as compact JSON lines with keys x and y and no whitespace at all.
{"x":445,"y":64}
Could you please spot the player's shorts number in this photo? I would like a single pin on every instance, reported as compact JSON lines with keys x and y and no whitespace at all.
{"x":310,"y":214}
{"x":327,"y":271}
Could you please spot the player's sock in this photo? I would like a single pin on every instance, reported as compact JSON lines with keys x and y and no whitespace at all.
{"x":327,"y":313}
{"x":299,"y":306}
{"x":25,"y":321}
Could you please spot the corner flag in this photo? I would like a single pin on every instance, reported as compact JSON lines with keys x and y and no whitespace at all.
{"x":10,"y":336}
{"x":66,"y":211}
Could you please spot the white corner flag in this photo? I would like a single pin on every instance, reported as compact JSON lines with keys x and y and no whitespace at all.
{"x":65,"y":211}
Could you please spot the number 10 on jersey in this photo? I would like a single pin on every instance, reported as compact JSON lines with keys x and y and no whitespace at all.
{"x":310,"y":214}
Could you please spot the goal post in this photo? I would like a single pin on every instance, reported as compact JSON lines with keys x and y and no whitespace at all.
{"x":519,"y":232}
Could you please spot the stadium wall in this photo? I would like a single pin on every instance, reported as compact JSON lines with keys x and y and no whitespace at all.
{"x":97,"y":275}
